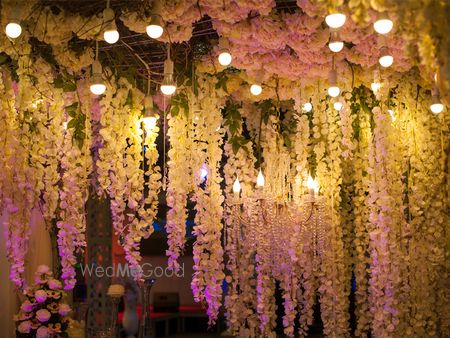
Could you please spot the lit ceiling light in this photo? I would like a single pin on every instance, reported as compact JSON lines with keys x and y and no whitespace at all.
{"x":150,"y":118}
{"x":111,"y":35}
{"x":225,"y":57}
{"x":338,"y":105}
{"x":307,"y":107}
{"x":260,"y":181}
{"x":168,"y":86}
{"x":336,"y":44}
{"x":155,"y":28}
{"x":335,"y":20}
{"x":13,"y":29}
{"x":236,"y":187}
{"x":383,"y":25}
{"x":436,"y":106}
{"x":386,"y":59}
{"x":312,"y":185}
{"x":256,"y":89}
{"x":97,"y":85}
{"x":333,"y":90}
{"x":376,"y":84}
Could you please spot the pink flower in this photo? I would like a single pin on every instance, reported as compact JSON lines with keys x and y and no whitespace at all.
{"x":40,"y":296}
{"x":43,"y":315}
{"x":24,"y":327}
{"x":64,"y":309}
{"x":54,"y":284}
{"x":43,"y":269}
{"x":42,"y":332}
{"x":26,"y":306}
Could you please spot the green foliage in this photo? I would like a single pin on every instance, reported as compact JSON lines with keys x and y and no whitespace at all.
{"x":233,"y":122}
{"x":180,"y":104}
{"x":362,"y":101}
{"x":65,"y":82}
{"x":77,"y":123}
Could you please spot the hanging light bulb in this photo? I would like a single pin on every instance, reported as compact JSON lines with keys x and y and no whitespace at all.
{"x":338,"y":105}
{"x":392,"y":114}
{"x":383,"y":25}
{"x":168,"y":86}
{"x":335,"y":20}
{"x":307,"y":107}
{"x":13,"y":29}
{"x":225,"y":57}
{"x":260,"y":181}
{"x":155,"y":28}
{"x":333,"y":90}
{"x":312,"y":185}
{"x":336,"y":44}
{"x":111,"y":35}
{"x":150,"y":118}
{"x":376,"y":84}
{"x":256,"y":89}
{"x":436,"y":106}
{"x":236,"y":187}
{"x":97,"y":85}
{"x":386,"y":59}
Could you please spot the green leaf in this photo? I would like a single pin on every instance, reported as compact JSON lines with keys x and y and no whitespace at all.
{"x":72,"y":123}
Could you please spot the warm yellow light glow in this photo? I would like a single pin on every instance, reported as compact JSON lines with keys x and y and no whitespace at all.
{"x":13,"y":29}
{"x":336,"y":46}
{"x":334,"y":91}
{"x":260,"y":181}
{"x":149,"y":122}
{"x":338,"y":105}
{"x":236,"y":187}
{"x":312,"y":184}
{"x":437,"y":107}
{"x":256,"y":89}
{"x":383,"y":25}
{"x":154,"y":31}
{"x":391,"y":112}
{"x":97,"y":88}
{"x":111,"y":36}
{"x":225,"y":57}
{"x":307,"y":107}
{"x":375,"y":86}
{"x":335,"y":20}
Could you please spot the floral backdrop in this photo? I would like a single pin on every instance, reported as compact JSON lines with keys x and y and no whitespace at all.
{"x":382,"y":161}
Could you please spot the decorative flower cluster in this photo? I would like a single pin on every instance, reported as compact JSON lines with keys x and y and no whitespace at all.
{"x":43,"y":313}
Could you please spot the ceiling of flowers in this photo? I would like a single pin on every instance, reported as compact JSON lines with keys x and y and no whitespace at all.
{"x":314,"y":148}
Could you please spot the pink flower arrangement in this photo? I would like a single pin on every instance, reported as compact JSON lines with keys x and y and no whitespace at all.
{"x":43,"y":314}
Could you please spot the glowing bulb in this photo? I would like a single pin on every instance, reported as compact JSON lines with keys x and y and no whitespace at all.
{"x":335,"y":20}
{"x":149,"y":122}
{"x":111,"y":36}
{"x":336,"y":44}
{"x":203,"y":172}
{"x":338,"y":105}
{"x":307,"y":107}
{"x":155,"y":28}
{"x":225,"y":57}
{"x":13,"y":29}
{"x":392,"y":114}
{"x":386,"y":59}
{"x":383,"y":25}
{"x":98,"y":88}
{"x":260,"y":181}
{"x":437,"y":108}
{"x":168,"y":86}
{"x":312,"y":185}
{"x":256,"y":89}
{"x":334,"y":91}
{"x":375,"y":86}
{"x":236,"y":187}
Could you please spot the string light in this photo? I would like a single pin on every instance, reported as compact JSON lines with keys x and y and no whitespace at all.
{"x":307,"y":107}
{"x":386,"y":59}
{"x":392,"y":114}
{"x":155,"y":28}
{"x":383,"y":25}
{"x":336,"y":44}
{"x":436,"y":106}
{"x":256,"y":89}
{"x":111,"y":35}
{"x":225,"y":57}
{"x":97,"y":86}
{"x":335,"y":20}
{"x":13,"y":28}
{"x":150,"y":118}
{"x":333,"y":90}
{"x":338,"y":105}
{"x":312,"y":185}
{"x":376,"y":84}
{"x":168,"y":86}
{"x":260,"y":181}
{"x":236,"y":187}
